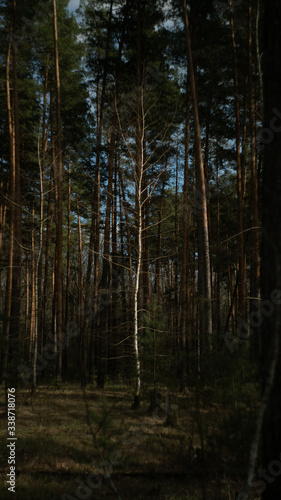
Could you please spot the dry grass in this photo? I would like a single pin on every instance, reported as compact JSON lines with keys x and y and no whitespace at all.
{"x":64,"y":435}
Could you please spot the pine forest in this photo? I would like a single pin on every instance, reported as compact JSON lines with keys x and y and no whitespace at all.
{"x":140,"y":249}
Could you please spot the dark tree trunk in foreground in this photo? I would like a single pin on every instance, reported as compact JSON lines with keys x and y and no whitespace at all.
{"x":271,"y":245}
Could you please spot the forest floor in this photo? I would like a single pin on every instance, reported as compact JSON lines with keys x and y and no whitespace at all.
{"x":79,"y":445}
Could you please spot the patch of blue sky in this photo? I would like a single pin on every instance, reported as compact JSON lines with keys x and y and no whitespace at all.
{"x":73,"y":5}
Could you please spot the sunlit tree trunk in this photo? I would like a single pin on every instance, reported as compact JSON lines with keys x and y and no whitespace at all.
{"x":13,"y":284}
{"x":201,"y":208}
{"x":54,"y":331}
{"x":32,"y":295}
{"x":138,"y":173}
{"x":8,"y":296}
{"x":16,"y":281}
{"x":138,"y":183}
{"x":67,"y":287}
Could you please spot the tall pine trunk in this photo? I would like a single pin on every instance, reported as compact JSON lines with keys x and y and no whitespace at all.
{"x":58,"y":171}
{"x":240,"y":244}
{"x":255,"y":233}
{"x":67,"y":287}
{"x":204,"y":266}
{"x":13,"y":284}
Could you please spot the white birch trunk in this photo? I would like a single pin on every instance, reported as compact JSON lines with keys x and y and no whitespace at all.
{"x":138,"y":182}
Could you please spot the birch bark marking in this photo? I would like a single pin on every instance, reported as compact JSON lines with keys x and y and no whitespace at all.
{"x":138,"y":203}
{"x":139,"y":176}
